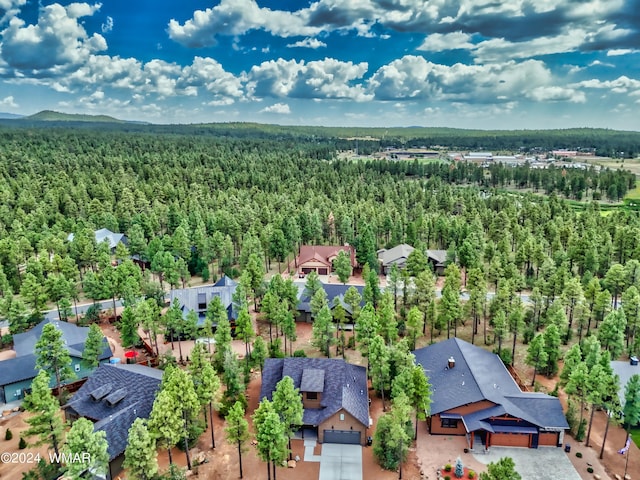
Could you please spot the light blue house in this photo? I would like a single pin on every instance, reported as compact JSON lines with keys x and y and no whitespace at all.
{"x":16,"y":374}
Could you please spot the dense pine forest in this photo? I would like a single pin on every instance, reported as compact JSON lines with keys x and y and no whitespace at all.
{"x":216,"y":195}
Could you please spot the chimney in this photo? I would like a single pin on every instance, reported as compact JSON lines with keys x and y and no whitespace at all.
{"x":451,"y":362}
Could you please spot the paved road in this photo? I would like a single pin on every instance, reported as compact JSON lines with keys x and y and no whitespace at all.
{"x":340,"y":462}
{"x":104,"y":305}
{"x":544,"y":463}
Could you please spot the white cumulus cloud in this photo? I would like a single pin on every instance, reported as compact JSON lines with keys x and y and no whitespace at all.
{"x":308,"y":43}
{"x":280,"y":108}
{"x":8,"y":102}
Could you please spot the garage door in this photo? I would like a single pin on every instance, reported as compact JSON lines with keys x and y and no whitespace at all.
{"x":510,"y":439}
{"x":548,"y":438}
{"x":323,"y":271}
{"x":350,"y":437}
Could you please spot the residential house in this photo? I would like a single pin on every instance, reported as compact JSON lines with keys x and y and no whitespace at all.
{"x":319,"y":258}
{"x":473,"y":394}
{"x":16,"y":374}
{"x":104,"y":234}
{"x":438,"y":260}
{"x":334,"y":395}
{"x":112,"y":398}
{"x":198,"y":299}
{"x":335,"y":296}
{"x":394,"y":256}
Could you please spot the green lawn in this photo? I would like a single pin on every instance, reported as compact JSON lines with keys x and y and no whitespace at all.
{"x":635,"y":435}
{"x":634,"y":194}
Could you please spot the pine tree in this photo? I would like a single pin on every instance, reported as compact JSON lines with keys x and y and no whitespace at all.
{"x":379,"y":366}
{"x":223,"y":332}
{"x":414,"y":325}
{"x":631,"y":409}
{"x":165,"y":422}
{"x":611,"y":332}
{"x":450,"y":308}
{"x":322,"y":334}
{"x":237,"y":429}
{"x":206,"y":383}
{"x":353,"y":298}
{"x":571,"y":359}
{"x":552,"y":347}
{"x":259,"y":353}
{"x":46,"y":421}
{"x":93,"y":346}
{"x":91,"y":447}
{"x":270,"y":435}
{"x":387,"y":323}
{"x":140,"y":455}
{"x":52,"y":355}
{"x":128,"y":327}
{"x":536,"y":355}
{"x":393,"y":435}
{"x":287,"y":401}
{"x":342,"y":266}
{"x":578,"y":386}
{"x":503,"y":469}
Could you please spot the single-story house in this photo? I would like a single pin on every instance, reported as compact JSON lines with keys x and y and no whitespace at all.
{"x":198,"y":298}
{"x":397,"y":255}
{"x":113,"y":397}
{"x":16,"y":374}
{"x":335,"y":395}
{"x":105,"y":234}
{"x":625,"y":370}
{"x":438,"y":260}
{"x":319,"y":258}
{"x":335,"y":297}
{"x":473,"y":394}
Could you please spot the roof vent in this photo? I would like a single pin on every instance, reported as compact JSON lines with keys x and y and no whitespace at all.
{"x":100,"y":392}
{"x":116,"y":396}
{"x":451,"y":362}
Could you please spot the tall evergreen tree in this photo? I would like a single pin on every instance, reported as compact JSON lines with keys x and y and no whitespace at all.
{"x":287,"y":401}
{"x":536,"y":355}
{"x":87,"y":445}
{"x":140,"y":454}
{"x":52,"y":355}
{"x":93,"y":346}
{"x":46,"y":421}
{"x":237,"y":430}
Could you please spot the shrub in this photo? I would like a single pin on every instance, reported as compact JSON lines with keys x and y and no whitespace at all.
{"x":504,"y":354}
{"x":299,"y":354}
{"x":471,"y":474}
{"x":582,"y":429}
{"x":92,"y":315}
{"x":589,"y":469}
{"x":6,"y":340}
{"x":579,"y":454}
{"x":447,"y":467}
{"x":22,"y":444}
{"x":447,"y":477}
{"x":8,"y":435}
{"x":351,"y":343}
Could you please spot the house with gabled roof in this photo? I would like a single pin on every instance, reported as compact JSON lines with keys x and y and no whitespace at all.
{"x":319,"y":258}
{"x":334,"y":395}
{"x":198,"y":298}
{"x":438,"y":260}
{"x":16,"y":374}
{"x":335,"y":296}
{"x":112,"y":398}
{"x":104,"y":234}
{"x":473,"y":394}
{"x":397,"y":255}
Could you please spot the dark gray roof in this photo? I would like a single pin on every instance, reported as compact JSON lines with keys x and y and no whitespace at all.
{"x":131,"y":395}
{"x":480,"y":375}
{"x":312,"y":380}
{"x":345,"y":386}
{"x":190,"y":298}
{"x":23,"y":366}
{"x":335,"y":293}
{"x":393,"y":255}
{"x":440,"y":256}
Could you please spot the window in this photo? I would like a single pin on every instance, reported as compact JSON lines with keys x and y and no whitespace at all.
{"x":18,"y":393}
{"x":342,"y":417}
{"x":312,"y":395}
{"x":449,"y":422}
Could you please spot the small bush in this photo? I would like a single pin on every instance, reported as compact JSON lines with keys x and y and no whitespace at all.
{"x":471,"y":474}
{"x":299,"y":354}
{"x":351,"y":343}
{"x":589,"y":469}
{"x":447,"y":467}
{"x":579,"y":454}
{"x":22,"y":444}
{"x":447,"y":477}
{"x":6,"y":340}
{"x":8,"y":435}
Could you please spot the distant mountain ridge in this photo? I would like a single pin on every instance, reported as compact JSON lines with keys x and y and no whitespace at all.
{"x":9,"y":116}
{"x":53,"y":116}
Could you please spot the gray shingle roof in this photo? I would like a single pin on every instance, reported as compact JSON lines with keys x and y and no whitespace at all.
{"x":23,"y":366}
{"x":335,"y":293}
{"x":312,"y":380}
{"x":139,"y":385}
{"x":440,"y":256}
{"x":345,"y":386}
{"x":481,"y":375}
{"x":387,"y":257}
{"x":190,"y":298}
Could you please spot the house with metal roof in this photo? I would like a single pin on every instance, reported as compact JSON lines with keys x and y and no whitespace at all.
{"x":397,"y":255}
{"x":473,"y":394}
{"x":198,"y":298}
{"x":335,"y":395}
{"x":16,"y":374}
{"x":112,"y":398}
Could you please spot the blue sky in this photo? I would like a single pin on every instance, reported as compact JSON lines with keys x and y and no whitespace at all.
{"x":467,"y":63}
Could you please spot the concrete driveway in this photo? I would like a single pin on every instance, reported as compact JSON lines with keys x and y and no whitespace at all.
{"x":545,"y":463}
{"x":340,"y":462}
